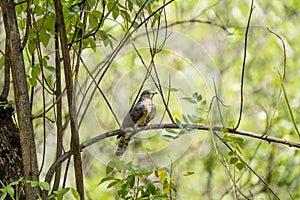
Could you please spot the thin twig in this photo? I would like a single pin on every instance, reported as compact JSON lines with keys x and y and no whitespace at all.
{"x":288,"y":105}
{"x":103,"y":95}
{"x":244,"y":66}
{"x":28,"y":21}
{"x":283,"y":77}
{"x":248,"y":166}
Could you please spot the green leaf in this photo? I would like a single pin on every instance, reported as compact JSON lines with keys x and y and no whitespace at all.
{"x":125,"y":15}
{"x":10,"y":102}
{"x":203,"y":103}
{"x":225,"y":130}
{"x":93,"y":20}
{"x":115,"y":12}
{"x":31,"y":47}
{"x":50,"y":68}
{"x":110,"y":166}
{"x":173,"y":89}
{"x":49,"y":80}
{"x":130,"y":5}
{"x":34,"y":183}
{"x":106,"y":179}
{"x":130,"y":181}
{"x":2,"y":60}
{"x":3,"y":196}
{"x":170,"y":131}
{"x":135,"y":25}
{"x":75,"y":194}
{"x":44,"y":185}
{"x":195,"y":95}
{"x":151,"y":188}
{"x":92,"y":44}
{"x":181,"y":132}
{"x":112,"y":184}
{"x":142,"y":173}
{"x":185,"y":119}
{"x":35,"y":71}
{"x":155,"y":19}
{"x":179,"y":124}
{"x":110,"y":5}
{"x":65,"y":190}
{"x":173,"y":187}
{"x":189,"y":99}
{"x":102,"y":35}
{"x":168,"y":137}
{"x":193,"y":118}
{"x":240,"y":166}
{"x":233,"y":160}
{"x":199,"y":98}
{"x":45,"y":38}
{"x":33,"y":82}
{"x":91,"y":2}
{"x":10,"y":190}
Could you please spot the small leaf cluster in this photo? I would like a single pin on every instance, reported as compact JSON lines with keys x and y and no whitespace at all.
{"x":188,"y":119}
{"x":6,"y":104}
{"x":201,"y":103}
{"x":14,"y":189}
{"x":137,"y":184}
{"x":238,"y":144}
{"x":59,"y":194}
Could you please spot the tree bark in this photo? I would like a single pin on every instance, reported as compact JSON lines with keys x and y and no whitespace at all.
{"x":21,"y":97}
{"x":75,"y":148}
{"x":11,"y":165}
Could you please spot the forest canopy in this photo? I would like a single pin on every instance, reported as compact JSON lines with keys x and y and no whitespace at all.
{"x":225,"y":73}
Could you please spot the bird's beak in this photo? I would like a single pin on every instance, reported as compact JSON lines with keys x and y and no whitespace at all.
{"x":153,"y":93}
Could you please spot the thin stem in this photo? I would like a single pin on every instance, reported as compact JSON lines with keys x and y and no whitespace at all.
{"x":244,"y":66}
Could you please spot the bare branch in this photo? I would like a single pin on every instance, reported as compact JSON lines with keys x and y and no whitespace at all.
{"x":283,"y":77}
{"x":244,"y":66}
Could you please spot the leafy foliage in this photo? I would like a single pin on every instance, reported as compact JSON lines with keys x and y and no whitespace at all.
{"x":220,"y":36}
{"x":137,"y":183}
{"x":188,"y":119}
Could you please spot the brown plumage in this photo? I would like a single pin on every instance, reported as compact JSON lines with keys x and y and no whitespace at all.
{"x":140,"y":115}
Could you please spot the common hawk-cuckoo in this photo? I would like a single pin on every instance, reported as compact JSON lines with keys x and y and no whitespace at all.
{"x":140,"y":115}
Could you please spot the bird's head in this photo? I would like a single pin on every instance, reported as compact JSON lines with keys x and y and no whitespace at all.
{"x":148,"y":94}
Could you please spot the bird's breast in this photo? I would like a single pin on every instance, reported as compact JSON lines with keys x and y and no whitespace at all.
{"x":147,"y":110}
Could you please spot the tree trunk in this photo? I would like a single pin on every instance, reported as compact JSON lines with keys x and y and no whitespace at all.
{"x":11,"y":166}
{"x":75,"y":148}
{"x":21,"y":97}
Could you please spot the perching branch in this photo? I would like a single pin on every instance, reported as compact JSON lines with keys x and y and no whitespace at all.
{"x":189,"y":127}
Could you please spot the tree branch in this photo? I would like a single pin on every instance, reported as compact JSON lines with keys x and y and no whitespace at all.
{"x":188,"y":127}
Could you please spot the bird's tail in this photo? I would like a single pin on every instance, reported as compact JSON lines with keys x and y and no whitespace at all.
{"x":123,"y":143}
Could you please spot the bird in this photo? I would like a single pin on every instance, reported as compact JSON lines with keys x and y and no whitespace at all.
{"x":140,"y":115}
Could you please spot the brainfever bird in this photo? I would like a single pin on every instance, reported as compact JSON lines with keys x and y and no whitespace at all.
{"x":140,"y":115}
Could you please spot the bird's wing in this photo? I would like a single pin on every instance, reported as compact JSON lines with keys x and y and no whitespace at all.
{"x":134,"y":115}
{"x":137,"y":112}
{"x":129,"y":121}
